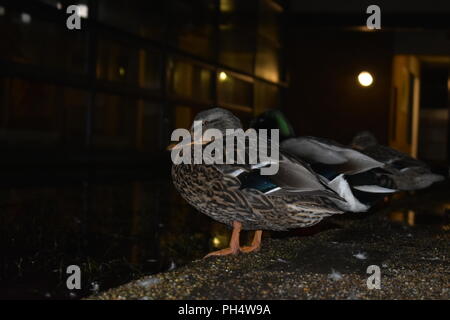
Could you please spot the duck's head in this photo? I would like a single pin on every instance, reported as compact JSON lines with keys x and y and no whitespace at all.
{"x":217,"y":118}
{"x":274,"y":119}
{"x":363,"y":140}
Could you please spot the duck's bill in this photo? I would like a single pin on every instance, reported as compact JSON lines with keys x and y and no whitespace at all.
{"x":171,"y":146}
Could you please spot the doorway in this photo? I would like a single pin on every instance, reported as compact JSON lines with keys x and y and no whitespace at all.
{"x":433,"y":138}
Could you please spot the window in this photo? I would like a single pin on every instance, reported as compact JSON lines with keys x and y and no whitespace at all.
{"x":121,"y":63}
{"x":234,"y":91}
{"x":267,"y":60}
{"x":267,"y":96}
{"x":238,"y":23}
{"x":150,"y":134}
{"x":26,"y":39}
{"x":190,"y":81}
{"x":143,"y":18}
{"x":192,"y":27}
{"x":74,"y":102}
{"x":182,"y":55}
{"x":36,"y":112}
{"x":114,"y":122}
{"x":267,"y":64}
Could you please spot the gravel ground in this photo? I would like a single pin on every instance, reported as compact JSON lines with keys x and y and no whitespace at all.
{"x":333,"y":264}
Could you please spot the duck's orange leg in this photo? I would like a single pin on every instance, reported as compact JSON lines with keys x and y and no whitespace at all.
{"x":234,"y":242}
{"x":256,"y":243}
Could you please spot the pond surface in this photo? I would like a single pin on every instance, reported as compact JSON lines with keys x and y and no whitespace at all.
{"x":119,"y":230}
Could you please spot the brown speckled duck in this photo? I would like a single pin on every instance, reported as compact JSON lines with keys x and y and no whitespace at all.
{"x":240,"y":197}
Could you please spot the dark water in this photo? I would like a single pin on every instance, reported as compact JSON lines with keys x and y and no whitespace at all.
{"x":116,"y":231}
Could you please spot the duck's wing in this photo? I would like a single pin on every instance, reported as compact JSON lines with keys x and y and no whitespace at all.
{"x":351,"y":174}
{"x":295,"y":189}
{"x":329,"y":156}
{"x":293,"y":176}
{"x":294,"y":183}
{"x":392,"y":157}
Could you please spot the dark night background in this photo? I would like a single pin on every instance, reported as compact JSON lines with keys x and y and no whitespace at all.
{"x":85,"y":115}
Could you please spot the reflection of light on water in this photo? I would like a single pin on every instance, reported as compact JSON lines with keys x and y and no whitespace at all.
{"x":396,"y":216}
{"x":433,"y":215}
{"x":411,"y":217}
{"x":220,"y":240}
{"x":446,"y":210}
{"x":216,"y":241}
{"x":401,"y":216}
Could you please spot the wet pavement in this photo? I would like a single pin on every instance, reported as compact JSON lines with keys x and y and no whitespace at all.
{"x":120,"y":231}
{"x":407,"y":238}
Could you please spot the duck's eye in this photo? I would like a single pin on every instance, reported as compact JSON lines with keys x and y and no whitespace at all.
{"x":205,"y":122}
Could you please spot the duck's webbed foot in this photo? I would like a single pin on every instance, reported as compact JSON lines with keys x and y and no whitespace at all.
{"x":256,"y":243}
{"x":234,"y":242}
{"x":234,"y":247}
{"x":223,"y":252}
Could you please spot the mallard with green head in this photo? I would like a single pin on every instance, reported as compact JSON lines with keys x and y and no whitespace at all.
{"x":362,"y":173}
{"x":356,"y":177}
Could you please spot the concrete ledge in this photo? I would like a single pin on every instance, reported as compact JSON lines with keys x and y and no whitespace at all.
{"x":331,"y":265}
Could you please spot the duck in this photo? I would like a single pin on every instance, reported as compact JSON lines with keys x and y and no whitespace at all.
{"x":408,"y":173}
{"x":363,"y":172}
{"x":361,"y":180}
{"x":241,"y":197}
{"x":357,"y":177}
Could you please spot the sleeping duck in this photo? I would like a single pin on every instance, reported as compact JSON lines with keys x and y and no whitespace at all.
{"x":239,"y":196}
{"x":407,"y":173}
{"x":362,"y":174}
{"x":358,"y":178}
